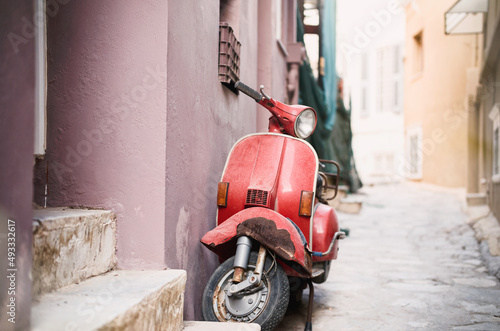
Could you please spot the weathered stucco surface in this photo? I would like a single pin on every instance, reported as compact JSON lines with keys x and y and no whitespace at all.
{"x":17,"y":86}
{"x":71,"y":245}
{"x":106,"y":112}
{"x":204,"y":119}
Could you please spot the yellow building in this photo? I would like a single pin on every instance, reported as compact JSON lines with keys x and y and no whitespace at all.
{"x":437,"y":69}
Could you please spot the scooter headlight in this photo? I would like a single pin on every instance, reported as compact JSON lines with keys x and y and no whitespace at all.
{"x":305,"y":123}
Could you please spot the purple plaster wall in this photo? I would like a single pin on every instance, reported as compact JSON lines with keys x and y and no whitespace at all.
{"x":155,"y":160}
{"x":107,"y":119}
{"x":272,"y":67}
{"x":16,"y":157}
{"x":204,"y":119}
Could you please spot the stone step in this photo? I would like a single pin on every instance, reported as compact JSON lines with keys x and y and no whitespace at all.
{"x":341,"y":194}
{"x":71,"y":245}
{"x":350,"y":206}
{"x":216,"y":326}
{"x":117,"y":300}
{"x":346,"y":203}
{"x":476,"y":199}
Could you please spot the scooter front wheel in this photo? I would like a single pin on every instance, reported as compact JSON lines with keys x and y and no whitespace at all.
{"x":265,"y":305}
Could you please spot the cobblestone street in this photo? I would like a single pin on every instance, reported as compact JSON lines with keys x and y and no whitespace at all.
{"x":410,"y":263}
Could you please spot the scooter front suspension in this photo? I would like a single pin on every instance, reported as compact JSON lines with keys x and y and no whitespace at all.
{"x":240,"y":264}
{"x":243,"y":247}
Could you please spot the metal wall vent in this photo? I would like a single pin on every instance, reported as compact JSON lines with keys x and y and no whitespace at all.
{"x":229,"y":55}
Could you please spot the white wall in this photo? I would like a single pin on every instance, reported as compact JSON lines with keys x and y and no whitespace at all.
{"x":365,"y":30}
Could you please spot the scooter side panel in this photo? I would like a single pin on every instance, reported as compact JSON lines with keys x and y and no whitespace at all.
{"x":298,"y":173}
{"x":325,"y":225}
{"x":254,"y":163}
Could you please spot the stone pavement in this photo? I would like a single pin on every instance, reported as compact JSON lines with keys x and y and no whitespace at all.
{"x":410,"y":263}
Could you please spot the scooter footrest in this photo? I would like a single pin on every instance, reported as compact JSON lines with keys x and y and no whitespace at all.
{"x":317,"y":272}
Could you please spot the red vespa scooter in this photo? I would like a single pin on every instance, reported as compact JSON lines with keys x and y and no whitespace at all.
{"x":272,"y":234}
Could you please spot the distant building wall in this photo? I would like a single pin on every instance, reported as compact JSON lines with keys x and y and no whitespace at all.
{"x":435,"y":95}
{"x":17,"y":69}
{"x":370,"y":60}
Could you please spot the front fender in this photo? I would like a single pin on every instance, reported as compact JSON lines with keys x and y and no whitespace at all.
{"x":265,"y":226}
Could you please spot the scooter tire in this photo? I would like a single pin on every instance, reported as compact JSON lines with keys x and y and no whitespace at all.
{"x":269,"y":315}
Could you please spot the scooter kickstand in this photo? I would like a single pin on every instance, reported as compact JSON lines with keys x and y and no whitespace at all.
{"x":310,"y":306}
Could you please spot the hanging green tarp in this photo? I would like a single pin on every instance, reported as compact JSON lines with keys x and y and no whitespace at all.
{"x":331,"y":143}
{"x":341,"y":139}
{"x":328,"y":50}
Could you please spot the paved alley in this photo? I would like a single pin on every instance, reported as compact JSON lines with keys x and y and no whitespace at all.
{"x":410,"y":263}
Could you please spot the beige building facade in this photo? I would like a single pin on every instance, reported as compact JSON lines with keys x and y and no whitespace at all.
{"x":438,"y":86}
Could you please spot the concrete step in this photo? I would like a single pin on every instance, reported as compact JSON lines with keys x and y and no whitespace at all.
{"x":476,"y":199}
{"x":71,"y":245}
{"x":341,"y":194}
{"x":350,"y":206}
{"x":346,"y":203}
{"x":117,"y":300}
{"x":216,"y":326}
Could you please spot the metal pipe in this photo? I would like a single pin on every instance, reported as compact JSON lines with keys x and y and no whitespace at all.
{"x":261,"y":260}
{"x":337,"y":236}
{"x":238,"y":275}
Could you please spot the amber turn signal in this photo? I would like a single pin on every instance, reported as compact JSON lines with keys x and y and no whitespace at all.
{"x":306,"y":202}
{"x":222,"y":194}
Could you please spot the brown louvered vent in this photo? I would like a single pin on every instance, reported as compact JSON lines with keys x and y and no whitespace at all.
{"x":256,"y":197}
{"x":229,"y":55}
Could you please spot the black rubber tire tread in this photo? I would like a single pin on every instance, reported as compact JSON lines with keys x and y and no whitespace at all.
{"x":278,"y":296}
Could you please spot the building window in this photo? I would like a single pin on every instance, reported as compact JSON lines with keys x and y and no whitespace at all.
{"x":364,"y":84}
{"x":364,"y":103}
{"x":389,"y":79}
{"x":396,"y":94}
{"x":397,"y":59}
{"x":397,"y":79}
{"x":364,"y":66}
{"x":495,"y":118}
{"x":418,"y":53}
{"x":383,"y":164}
{"x":414,"y":153}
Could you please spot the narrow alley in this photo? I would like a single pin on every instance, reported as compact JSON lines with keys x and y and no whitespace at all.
{"x":410,"y":263}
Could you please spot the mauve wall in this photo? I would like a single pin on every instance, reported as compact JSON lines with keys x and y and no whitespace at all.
{"x":16,"y":158}
{"x":107,"y":119}
{"x":271,"y":59}
{"x":204,"y":119}
{"x":139,"y":123}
